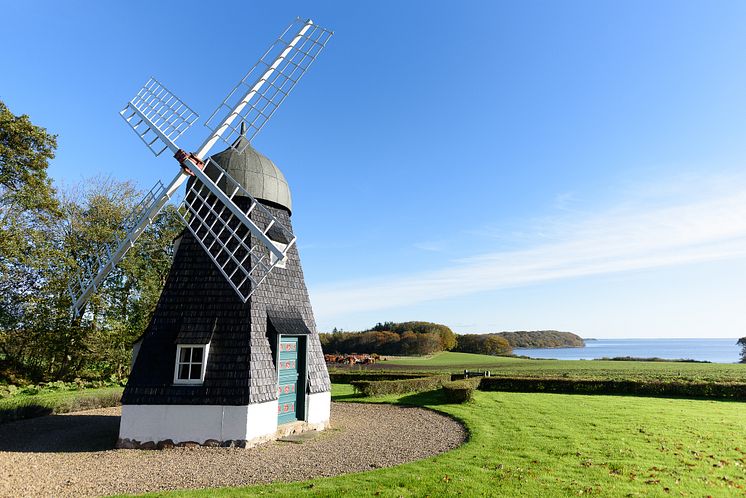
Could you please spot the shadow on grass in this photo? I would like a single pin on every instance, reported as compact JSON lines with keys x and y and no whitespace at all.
{"x":436,"y":397}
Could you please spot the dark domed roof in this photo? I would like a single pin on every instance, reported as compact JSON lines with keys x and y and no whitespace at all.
{"x":255,"y":172}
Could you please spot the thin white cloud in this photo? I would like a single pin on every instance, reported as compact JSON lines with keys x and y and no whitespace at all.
{"x":634,"y":237}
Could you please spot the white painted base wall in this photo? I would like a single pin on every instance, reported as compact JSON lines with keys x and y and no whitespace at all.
{"x":319,"y":408}
{"x":198,"y":423}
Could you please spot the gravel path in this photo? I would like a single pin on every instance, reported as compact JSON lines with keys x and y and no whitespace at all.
{"x":72,"y":455}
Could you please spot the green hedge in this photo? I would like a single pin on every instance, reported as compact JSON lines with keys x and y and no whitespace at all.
{"x":721,"y":390}
{"x":400,"y":386}
{"x":460,"y":391}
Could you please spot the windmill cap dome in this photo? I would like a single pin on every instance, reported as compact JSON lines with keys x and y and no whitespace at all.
{"x":254,"y":171}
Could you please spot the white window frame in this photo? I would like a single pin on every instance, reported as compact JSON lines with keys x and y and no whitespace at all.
{"x":205,"y":352}
{"x":272,"y":258}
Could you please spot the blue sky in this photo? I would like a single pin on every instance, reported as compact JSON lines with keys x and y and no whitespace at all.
{"x":488,"y":165}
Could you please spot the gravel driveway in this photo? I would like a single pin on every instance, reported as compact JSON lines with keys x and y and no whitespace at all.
{"x":73,"y":455}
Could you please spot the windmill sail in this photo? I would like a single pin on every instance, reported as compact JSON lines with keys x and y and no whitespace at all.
{"x":261,"y":91}
{"x":158,"y":116}
{"x":241,"y":236}
{"x":211,"y":209}
{"x":217,"y":212}
{"x":108,"y":255}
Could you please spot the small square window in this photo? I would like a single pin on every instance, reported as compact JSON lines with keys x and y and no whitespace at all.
{"x":191,"y":363}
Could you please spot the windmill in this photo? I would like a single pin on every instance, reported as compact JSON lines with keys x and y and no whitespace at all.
{"x":231,"y":355}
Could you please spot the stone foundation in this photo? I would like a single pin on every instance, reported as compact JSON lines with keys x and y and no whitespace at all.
{"x":282,"y":431}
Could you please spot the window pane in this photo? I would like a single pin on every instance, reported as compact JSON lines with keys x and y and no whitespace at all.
{"x":196,"y":371}
{"x":185,"y":354}
{"x":197,"y":355}
{"x":183,"y":371}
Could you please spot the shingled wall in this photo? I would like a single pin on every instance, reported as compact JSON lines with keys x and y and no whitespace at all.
{"x":284,"y":290}
{"x":240,"y":367}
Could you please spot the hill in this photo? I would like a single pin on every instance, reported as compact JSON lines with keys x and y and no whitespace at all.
{"x":543,"y":339}
{"x":503,"y":343}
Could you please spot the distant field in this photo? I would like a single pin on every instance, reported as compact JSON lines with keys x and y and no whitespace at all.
{"x":589,"y":369}
{"x":449,"y":359}
{"x":557,"y":445}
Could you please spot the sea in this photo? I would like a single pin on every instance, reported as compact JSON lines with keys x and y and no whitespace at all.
{"x":713,"y":350}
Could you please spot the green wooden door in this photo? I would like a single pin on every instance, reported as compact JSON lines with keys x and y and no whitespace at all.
{"x":288,"y":380}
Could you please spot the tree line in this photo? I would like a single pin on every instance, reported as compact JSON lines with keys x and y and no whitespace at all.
{"x":47,"y":236}
{"x":542,"y":339}
{"x":389,"y":338}
{"x":502,"y":343}
{"x":412,"y":339}
{"x":420,"y":338}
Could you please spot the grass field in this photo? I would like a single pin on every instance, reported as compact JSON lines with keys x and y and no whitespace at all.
{"x":589,"y":369}
{"x":558,"y":445}
{"x":18,"y":407}
{"x":533,"y":444}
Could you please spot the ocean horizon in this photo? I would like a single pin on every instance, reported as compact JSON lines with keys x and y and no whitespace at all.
{"x":720,"y":350}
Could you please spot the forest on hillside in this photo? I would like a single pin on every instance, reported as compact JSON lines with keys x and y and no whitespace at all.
{"x":502,"y":343}
{"x":389,"y":338}
{"x":421,"y":338}
{"x":543,"y":339}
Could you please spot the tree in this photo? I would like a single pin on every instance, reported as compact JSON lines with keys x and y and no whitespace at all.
{"x":28,"y":211}
{"x":742,"y":342}
{"x":493,"y":344}
{"x":25,"y":151}
{"x":46,"y":238}
{"x":121,"y":308}
{"x":447,"y":337}
{"x":496,"y":345}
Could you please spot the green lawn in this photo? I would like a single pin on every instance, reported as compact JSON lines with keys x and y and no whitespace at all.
{"x":22,"y":406}
{"x":590,"y":369}
{"x":558,"y":445}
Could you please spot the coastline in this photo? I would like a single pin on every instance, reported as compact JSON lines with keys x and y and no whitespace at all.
{"x":712,"y":350}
